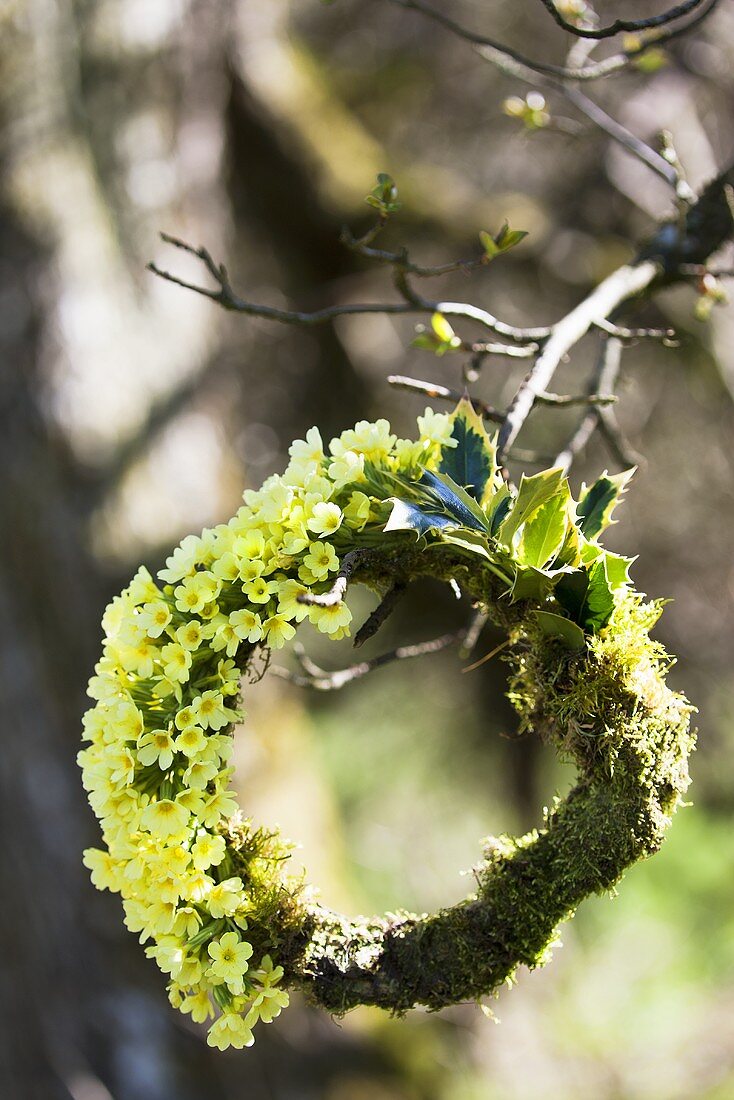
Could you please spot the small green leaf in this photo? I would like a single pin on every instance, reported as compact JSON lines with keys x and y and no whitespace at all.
{"x":488,"y":244}
{"x":409,"y":517}
{"x":472,"y":462}
{"x":617,"y":570}
{"x":501,"y":504}
{"x":533,"y":493}
{"x":501,"y":242}
{"x":557,"y":626}
{"x":384,"y":196}
{"x":598,"y":502}
{"x":571,"y":593}
{"x":599,"y":598}
{"x":544,"y":534}
{"x":587,"y":596}
{"x":531,"y":584}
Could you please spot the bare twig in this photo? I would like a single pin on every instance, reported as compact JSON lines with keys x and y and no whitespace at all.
{"x":604,"y":374}
{"x":353,"y":560}
{"x":624,"y":454}
{"x":490,"y":46}
{"x":321,"y":680}
{"x":563,"y":400}
{"x":473,"y":634}
{"x":631,"y":26}
{"x":621,"y":285}
{"x":382,"y":612}
{"x":412,"y":303}
{"x":443,"y":393}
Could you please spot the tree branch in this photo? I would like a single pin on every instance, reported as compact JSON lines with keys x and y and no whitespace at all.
{"x":630,"y":26}
{"x":320,"y":679}
{"x":621,"y":285}
{"x":494,"y":50}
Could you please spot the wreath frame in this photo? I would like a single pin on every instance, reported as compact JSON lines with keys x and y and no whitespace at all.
{"x":228,"y":923}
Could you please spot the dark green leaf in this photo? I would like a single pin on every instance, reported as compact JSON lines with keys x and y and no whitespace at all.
{"x":571,"y":593}
{"x":472,"y":462}
{"x":501,"y":507}
{"x":557,"y":626}
{"x":454,"y":499}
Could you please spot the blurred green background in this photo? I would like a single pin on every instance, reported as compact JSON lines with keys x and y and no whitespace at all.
{"x":133,"y":412}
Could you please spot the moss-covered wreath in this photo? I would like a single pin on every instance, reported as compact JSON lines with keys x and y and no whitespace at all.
{"x":211,"y":891}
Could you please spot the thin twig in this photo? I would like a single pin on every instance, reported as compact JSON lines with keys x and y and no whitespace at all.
{"x":622,"y":451}
{"x":631,"y":26}
{"x":605,"y":372}
{"x":412,"y":302}
{"x":321,"y":680}
{"x":621,"y":285}
{"x":402,"y":259}
{"x":473,"y":634}
{"x":488,"y":656}
{"x":382,"y":612}
{"x":443,"y":393}
{"x":565,"y":399}
{"x":488,"y":46}
{"x":351,"y":561}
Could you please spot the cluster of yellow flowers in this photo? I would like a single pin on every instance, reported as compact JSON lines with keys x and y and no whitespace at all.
{"x":160,"y":732}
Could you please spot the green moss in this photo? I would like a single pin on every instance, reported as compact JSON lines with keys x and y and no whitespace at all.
{"x":609,"y":710}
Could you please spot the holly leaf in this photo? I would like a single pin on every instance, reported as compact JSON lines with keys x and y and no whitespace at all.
{"x":558,"y":626}
{"x":599,"y":598}
{"x":587,"y":595}
{"x":501,"y":504}
{"x":409,"y":517}
{"x":617,"y":570}
{"x":532,"y":495}
{"x":454,"y":499}
{"x":598,"y":502}
{"x":472,"y":463}
{"x":544,"y":534}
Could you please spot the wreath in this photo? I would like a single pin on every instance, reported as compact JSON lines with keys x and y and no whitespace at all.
{"x":208,"y":891}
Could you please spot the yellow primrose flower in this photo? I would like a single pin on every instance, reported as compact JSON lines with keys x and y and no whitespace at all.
{"x":105,"y":870}
{"x":166,"y":819}
{"x":210,"y":712}
{"x":191,"y":741}
{"x":156,"y":747}
{"x":230,"y":1030}
{"x":190,"y":635}
{"x":246,"y":625}
{"x":259,"y":590}
{"x":199,"y":1006}
{"x":229,"y":957}
{"x":182,"y":561}
{"x":332,"y":620}
{"x":219,"y":806}
{"x":226,"y":898}
{"x":325,"y":519}
{"x":142,"y":587}
{"x":154,"y":618}
{"x":208,"y":851}
{"x":176,"y":662}
{"x":320,"y":560}
{"x":278,"y":631}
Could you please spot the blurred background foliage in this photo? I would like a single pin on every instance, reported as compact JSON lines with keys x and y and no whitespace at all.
{"x":134,"y":412}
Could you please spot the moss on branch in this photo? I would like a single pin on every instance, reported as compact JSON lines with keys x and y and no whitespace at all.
{"x":609,"y":710}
